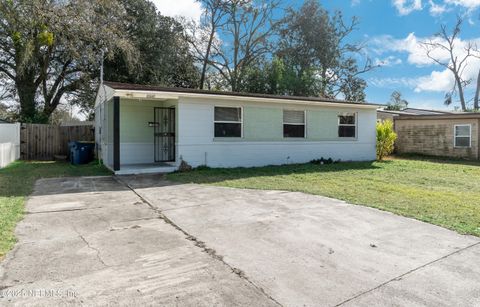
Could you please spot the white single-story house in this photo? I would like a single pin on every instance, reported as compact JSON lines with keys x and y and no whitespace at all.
{"x":141,"y":129}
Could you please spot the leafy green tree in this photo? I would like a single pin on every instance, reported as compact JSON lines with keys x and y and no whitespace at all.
{"x":278,"y":78}
{"x":5,"y":113}
{"x":49,"y":48}
{"x":386,"y":137}
{"x":163,"y":57}
{"x":396,"y":102}
{"x":314,"y":48}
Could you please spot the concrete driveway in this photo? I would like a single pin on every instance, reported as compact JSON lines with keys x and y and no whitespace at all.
{"x":141,"y":240}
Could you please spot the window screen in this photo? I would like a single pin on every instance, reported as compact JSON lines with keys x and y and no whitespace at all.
{"x":228,"y":122}
{"x":462,"y":136}
{"x":227,"y":114}
{"x":347,"y":126}
{"x":293,"y":124}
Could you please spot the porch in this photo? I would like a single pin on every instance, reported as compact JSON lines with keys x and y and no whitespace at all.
{"x":141,"y":135}
{"x":146,"y":168}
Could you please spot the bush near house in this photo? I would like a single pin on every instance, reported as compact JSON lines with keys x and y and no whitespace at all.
{"x":386,"y":137}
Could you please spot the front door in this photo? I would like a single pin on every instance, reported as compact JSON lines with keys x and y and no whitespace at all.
{"x":164,"y":137}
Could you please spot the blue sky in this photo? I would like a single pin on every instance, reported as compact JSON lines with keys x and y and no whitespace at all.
{"x":392,"y":31}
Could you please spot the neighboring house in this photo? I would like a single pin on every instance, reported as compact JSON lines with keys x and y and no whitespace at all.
{"x":433,"y":132}
{"x":449,"y":135}
{"x":151,"y":129}
{"x":383,"y":114}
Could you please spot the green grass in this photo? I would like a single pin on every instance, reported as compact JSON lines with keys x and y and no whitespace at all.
{"x":16,"y":183}
{"x":441,"y":192}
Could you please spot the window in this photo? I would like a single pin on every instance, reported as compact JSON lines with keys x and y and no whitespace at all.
{"x":463,"y":135}
{"x":293,"y":124}
{"x":228,"y":122}
{"x":347,"y":126}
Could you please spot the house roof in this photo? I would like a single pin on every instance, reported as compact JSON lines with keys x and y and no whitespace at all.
{"x":440,"y":116}
{"x":424,"y":111}
{"x":414,"y":111}
{"x":150,"y":88}
{"x":397,"y":113}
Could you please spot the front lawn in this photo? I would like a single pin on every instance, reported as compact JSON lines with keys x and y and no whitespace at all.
{"x":16,"y":183}
{"x":445,"y":193}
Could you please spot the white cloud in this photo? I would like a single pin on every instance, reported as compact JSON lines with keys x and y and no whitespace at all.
{"x":405,"y":7}
{"x":469,"y":4}
{"x":355,"y":2}
{"x":412,"y":45}
{"x":437,"y":81}
{"x":440,"y":79}
{"x":437,"y":9}
{"x":388,"y":61}
{"x":190,"y":9}
{"x":393,"y":83}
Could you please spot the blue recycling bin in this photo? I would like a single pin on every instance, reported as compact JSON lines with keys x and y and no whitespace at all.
{"x":81,"y":152}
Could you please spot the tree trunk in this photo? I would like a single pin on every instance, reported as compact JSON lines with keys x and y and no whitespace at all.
{"x":460,"y":92}
{"x":207,"y":56}
{"x":477,"y":93}
{"x":26,"y":90}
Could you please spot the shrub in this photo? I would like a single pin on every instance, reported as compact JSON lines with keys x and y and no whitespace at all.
{"x":184,"y":167}
{"x":324,"y":161}
{"x":385,"y":139}
{"x":202,"y":168}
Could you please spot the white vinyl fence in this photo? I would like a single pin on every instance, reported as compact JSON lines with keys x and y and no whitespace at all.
{"x":9,"y":143}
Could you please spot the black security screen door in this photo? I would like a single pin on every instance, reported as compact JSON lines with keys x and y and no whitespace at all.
{"x":164,"y":134}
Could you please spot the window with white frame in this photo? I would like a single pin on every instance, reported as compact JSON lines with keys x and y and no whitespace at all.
{"x":463,"y":135}
{"x":347,"y":125}
{"x":228,"y":122}
{"x":293,"y":124}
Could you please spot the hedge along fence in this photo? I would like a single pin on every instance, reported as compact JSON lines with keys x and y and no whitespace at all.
{"x":9,"y":143}
{"x":44,"y":142}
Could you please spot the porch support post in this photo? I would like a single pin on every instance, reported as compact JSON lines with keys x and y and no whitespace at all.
{"x":116,"y":133}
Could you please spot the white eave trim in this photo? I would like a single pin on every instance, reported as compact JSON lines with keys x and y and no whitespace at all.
{"x":161,"y":95}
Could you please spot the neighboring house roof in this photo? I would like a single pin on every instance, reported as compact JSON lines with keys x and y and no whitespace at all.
{"x":440,"y":116}
{"x":395,"y":113}
{"x":415,"y":112}
{"x":186,"y":91}
{"x":4,"y":121}
{"x":424,"y":111}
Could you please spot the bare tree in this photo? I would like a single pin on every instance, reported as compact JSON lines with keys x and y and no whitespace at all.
{"x":213,"y":18}
{"x":248,"y":28}
{"x":455,"y":62}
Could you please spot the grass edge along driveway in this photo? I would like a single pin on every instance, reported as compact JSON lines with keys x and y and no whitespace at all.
{"x":16,"y":183}
{"x":440,"y":192}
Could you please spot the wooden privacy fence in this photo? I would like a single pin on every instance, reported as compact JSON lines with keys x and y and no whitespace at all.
{"x":43,"y":142}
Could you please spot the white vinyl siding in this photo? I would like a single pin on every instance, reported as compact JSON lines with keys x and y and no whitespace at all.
{"x":198,"y":146}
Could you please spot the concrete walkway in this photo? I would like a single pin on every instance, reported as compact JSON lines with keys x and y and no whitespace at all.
{"x":315,"y":251}
{"x":144,"y":241}
{"x":93,"y":242}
